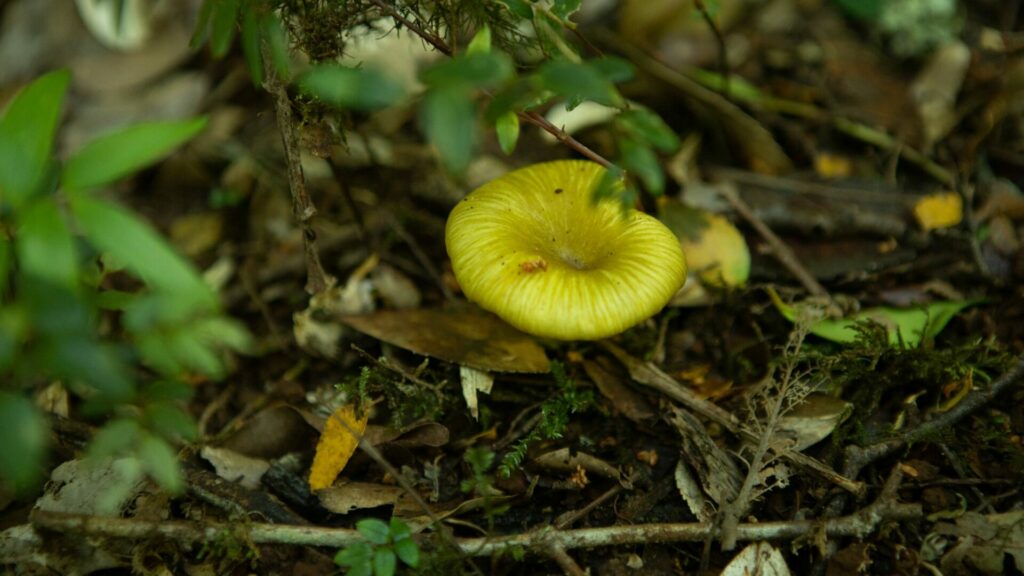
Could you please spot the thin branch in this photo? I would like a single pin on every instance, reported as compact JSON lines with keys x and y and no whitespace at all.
{"x":317,"y":280}
{"x":780,"y":250}
{"x":723,"y":54}
{"x":858,"y":524}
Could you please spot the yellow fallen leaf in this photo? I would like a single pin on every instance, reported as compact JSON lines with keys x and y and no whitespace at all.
{"x":337,"y":444}
{"x":941,"y":210}
{"x":832,"y":166}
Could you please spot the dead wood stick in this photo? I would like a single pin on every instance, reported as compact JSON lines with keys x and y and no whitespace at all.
{"x":859,"y":524}
{"x":317,"y":280}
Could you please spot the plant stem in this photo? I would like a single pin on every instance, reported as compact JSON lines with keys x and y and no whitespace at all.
{"x":317,"y":280}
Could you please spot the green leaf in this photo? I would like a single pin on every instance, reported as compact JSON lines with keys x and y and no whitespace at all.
{"x":612,"y":68}
{"x":647,"y":127}
{"x":577,"y":82}
{"x":5,"y":265}
{"x":25,"y":442}
{"x":384,"y":562}
{"x":45,"y":246}
{"x":476,"y":70}
{"x":117,"y":231}
{"x":358,"y":88}
{"x":862,"y":9}
{"x":356,"y":555}
{"x":251,"y":41}
{"x":82,"y":360}
{"x":170,"y":422}
{"x":116,"y":155}
{"x":114,"y":439}
{"x":277,"y":44}
{"x":507,"y":128}
{"x":161,"y":462}
{"x":521,"y":8}
{"x":13,"y":327}
{"x":26,"y":137}
{"x":909,"y":326}
{"x":399,"y":530}
{"x":222,"y":23}
{"x":519,"y":95}
{"x":202,"y":24}
{"x":641,"y":161}
{"x":167,"y":391}
{"x":374,"y":530}
{"x":448,"y":117}
{"x":565,"y":8}
{"x":407,"y":551}
{"x":481,"y":42}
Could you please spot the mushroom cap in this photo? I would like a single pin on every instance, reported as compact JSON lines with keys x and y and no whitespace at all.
{"x":534,"y":248}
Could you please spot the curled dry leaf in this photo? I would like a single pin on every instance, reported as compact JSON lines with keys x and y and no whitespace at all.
{"x":465,"y":336}
{"x":622,"y":398}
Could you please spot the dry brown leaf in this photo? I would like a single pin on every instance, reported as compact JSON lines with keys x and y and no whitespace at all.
{"x":466,"y":336}
{"x":474,"y":381}
{"x":623,"y":399}
{"x":336,"y":446}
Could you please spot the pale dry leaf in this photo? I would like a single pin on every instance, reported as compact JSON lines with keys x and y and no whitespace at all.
{"x":757,"y":559}
{"x":474,"y":381}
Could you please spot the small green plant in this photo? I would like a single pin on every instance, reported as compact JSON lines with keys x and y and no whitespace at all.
{"x":385,"y":544}
{"x":406,"y":401}
{"x":518,"y":62}
{"x":554,"y":418}
{"x":63,"y":249}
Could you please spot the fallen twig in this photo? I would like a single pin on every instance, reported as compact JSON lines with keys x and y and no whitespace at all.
{"x":780,"y":250}
{"x":858,"y":524}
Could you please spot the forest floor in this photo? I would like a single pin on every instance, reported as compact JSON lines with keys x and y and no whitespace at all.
{"x":718,"y":436}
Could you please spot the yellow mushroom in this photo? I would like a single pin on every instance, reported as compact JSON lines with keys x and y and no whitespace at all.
{"x":534,"y":248}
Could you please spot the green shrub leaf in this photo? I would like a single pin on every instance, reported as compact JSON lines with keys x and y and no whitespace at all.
{"x":507,"y":128}
{"x":25,"y":441}
{"x":449,"y":121}
{"x":578,"y":82}
{"x":384,"y":562}
{"x":45,"y":247}
{"x":116,"y":155}
{"x":407,"y":551}
{"x":161,"y":462}
{"x":251,"y":40}
{"x":113,"y":229}
{"x":26,"y":136}
{"x":475,"y":70}
{"x":643,"y":163}
{"x":222,"y":24}
{"x":647,"y":127}
{"x":357,"y":557}
{"x":374,"y":530}
{"x":356,"y":88}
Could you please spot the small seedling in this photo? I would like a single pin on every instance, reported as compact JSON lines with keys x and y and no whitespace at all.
{"x":385,"y":544}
